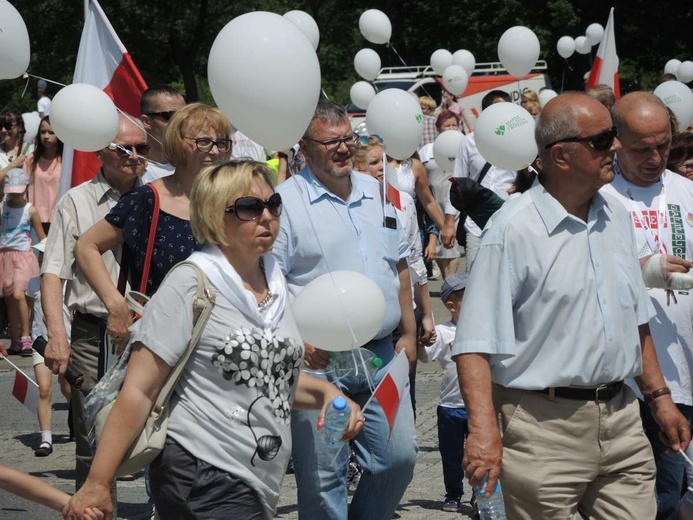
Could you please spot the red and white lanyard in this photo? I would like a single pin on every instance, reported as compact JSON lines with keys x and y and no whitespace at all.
{"x":655,"y":241}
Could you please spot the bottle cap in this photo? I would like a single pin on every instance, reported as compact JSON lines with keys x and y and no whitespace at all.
{"x":339,"y":403}
{"x":377,"y":362}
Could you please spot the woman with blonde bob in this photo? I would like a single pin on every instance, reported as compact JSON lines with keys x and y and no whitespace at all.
{"x":197,"y":136}
{"x":229,"y":435}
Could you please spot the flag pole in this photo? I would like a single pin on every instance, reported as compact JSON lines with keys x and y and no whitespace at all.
{"x":20,"y":370}
{"x":86,"y":10}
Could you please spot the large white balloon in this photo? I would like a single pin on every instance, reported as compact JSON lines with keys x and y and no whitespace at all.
{"x":455,"y":79}
{"x":84,"y":117}
{"x":367,"y":64}
{"x":685,"y":72}
{"x":445,"y":149}
{"x":594,"y":34}
{"x":582,"y":46}
{"x":333,"y":305}
{"x":679,"y":98}
{"x":307,"y":24}
{"x":441,"y":60}
{"x":464,"y":59}
{"x":15,"y":50}
{"x":396,"y":116}
{"x":265,"y":77}
{"x":32,"y":121}
{"x":518,"y":50}
{"x":504,"y":135}
{"x":672,"y":66}
{"x":565,"y":47}
{"x":546,"y":95}
{"x":375,"y":26}
{"x":361,"y":94}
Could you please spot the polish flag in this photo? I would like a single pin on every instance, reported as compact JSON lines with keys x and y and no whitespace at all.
{"x":393,"y":388}
{"x":391,"y":185}
{"x":25,"y":390}
{"x":605,"y":67}
{"x":102,"y":61}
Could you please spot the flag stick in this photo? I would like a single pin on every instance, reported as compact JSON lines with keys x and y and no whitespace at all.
{"x":20,"y":370}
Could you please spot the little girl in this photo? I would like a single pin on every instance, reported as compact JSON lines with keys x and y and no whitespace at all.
{"x":18,"y":264}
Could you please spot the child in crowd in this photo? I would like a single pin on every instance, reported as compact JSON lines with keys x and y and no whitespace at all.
{"x":452,"y":415}
{"x":18,"y":264}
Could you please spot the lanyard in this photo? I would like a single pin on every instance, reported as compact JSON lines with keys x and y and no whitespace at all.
{"x":655,"y":241}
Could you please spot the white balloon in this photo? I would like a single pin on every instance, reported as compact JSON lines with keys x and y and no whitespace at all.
{"x":455,"y":79}
{"x":375,"y":26}
{"x":464,"y":59}
{"x":565,"y":47}
{"x":84,"y":117}
{"x":253,"y":54}
{"x":395,"y":115}
{"x":582,"y":46}
{"x":594,"y":34}
{"x":367,"y":64}
{"x":685,"y":72}
{"x":32,"y":121}
{"x":672,"y":66}
{"x":15,"y":50}
{"x":518,"y":50}
{"x":445,"y":149}
{"x":546,"y":95}
{"x":361,"y":94}
{"x":333,"y":305}
{"x":504,"y":135}
{"x":679,"y":98}
{"x":441,"y":60}
{"x":307,"y":24}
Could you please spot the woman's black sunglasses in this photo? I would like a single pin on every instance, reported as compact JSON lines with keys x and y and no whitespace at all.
{"x":600,"y":142}
{"x":251,"y":208}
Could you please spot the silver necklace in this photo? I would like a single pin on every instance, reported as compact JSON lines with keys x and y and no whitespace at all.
{"x":267,"y":300}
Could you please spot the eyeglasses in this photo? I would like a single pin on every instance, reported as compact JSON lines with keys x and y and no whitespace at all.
{"x":166,"y":116}
{"x":600,"y":142}
{"x":205,"y":144}
{"x":126,"y":150}
{"x":333,"y":144}
{"x":367,"y":140}
{"x":7,"y":126}
{"x":251,"y":208}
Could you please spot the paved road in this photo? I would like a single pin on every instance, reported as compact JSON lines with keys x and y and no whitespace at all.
{"x":18,"y":438}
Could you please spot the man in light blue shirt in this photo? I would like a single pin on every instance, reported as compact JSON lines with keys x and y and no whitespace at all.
{"x":555,"y":318}
{"x":334,"y":220}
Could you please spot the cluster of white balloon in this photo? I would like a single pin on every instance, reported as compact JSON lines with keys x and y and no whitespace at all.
{"x":682,"y":70}
{"x":567,"y":46}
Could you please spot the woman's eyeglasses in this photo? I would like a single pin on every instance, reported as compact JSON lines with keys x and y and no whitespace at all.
{"x":126,"y":150}
{"x":600,"y":142}
{"x":205,"y":144}
{"x":166,"y":116}
{"x":7,"y":126}
{"x":367,"y":140}
{"x":251,"y":208}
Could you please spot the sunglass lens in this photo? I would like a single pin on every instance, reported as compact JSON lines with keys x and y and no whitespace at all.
{"x":249,"y":208}
{"x":274,"y":204}
{"x":166,"y":116}
{"x":603,"y":141}
{"x":142,"y":149}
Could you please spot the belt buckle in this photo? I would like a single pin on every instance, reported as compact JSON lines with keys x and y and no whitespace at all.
{"x":601,"y":388}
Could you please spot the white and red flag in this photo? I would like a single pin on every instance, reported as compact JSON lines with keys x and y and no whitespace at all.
{"x":393,"y":388}
{"x":102,"y":61}
{"x":605,"y":68}
{"x":25,"y":390}
{"x":391,"y":185}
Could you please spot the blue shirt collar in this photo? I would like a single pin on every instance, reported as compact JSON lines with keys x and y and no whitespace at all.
{"x":553,"y":213}
{"x":317,"y":189}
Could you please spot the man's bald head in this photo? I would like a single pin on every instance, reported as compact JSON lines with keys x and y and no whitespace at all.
{"x":126,"y":123}
{"x":637,"y":105}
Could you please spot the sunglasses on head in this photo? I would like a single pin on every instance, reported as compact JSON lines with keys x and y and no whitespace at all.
{"x":366,"y":140}
{"x":126,"y":150}
{"x":600,"y":142}
{"x":251,"y":208}
{"x":166,"y":116}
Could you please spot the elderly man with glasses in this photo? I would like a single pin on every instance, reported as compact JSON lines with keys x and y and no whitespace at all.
{"x":559,"y":320}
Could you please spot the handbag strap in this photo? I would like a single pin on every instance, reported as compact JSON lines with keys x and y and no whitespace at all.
{"x":202,"y":309}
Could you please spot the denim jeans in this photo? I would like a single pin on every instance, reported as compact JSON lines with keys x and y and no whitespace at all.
{"x":387,"y":460}
{"x":452,"y":432}
{"x":670,"y":468}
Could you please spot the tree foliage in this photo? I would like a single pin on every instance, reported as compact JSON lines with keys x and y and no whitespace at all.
{"x":169,"y":40}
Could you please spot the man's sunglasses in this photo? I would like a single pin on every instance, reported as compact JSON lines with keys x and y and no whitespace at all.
{"x":166,"y":116}
{"x":251,"y":208}
{"x":600,"y":142}
{"x":126,"y":150}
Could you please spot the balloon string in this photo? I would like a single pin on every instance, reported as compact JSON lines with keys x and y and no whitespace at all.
{"x":563,"y":76}
{"x":325,"y":94}
{"x":44,"y":79}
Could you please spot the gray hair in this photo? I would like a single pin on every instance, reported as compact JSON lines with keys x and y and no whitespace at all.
{"x":327,"y":111}
{"x":553,"y":126}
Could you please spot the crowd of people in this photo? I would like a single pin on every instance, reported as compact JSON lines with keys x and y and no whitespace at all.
{"x":567,"y":356}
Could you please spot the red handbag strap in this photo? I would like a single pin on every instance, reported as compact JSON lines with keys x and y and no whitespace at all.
{"x":150,"y":241}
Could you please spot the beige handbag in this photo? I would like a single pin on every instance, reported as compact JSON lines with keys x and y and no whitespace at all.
{"x":150,"y":441}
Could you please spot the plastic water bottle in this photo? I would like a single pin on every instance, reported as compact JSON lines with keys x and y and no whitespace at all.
{"x":491,"y":508}
{"x":336,"y":419}
{"x":349,"y":363}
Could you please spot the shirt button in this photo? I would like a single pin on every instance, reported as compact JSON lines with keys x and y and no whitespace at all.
{"x":597,"y":264}
{"x":611,"y":338}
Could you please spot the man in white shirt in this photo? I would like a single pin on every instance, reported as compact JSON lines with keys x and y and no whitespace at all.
{"x":157,"y":105}
{"x":558,"y":321}
{"x":660,"y":203}
{"x":43,"y":107}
